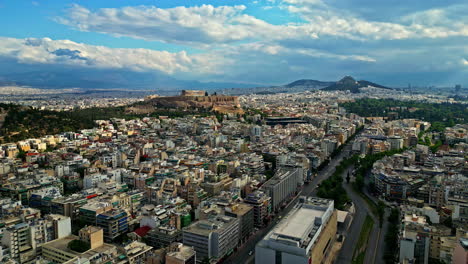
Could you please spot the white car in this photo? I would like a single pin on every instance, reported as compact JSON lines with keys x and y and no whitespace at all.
{"x":250,"y":252}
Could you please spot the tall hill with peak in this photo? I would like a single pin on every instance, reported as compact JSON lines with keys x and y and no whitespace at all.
{"x":349,"y":83}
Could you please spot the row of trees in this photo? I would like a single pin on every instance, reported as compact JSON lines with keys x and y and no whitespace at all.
{"x":332,"y":187}
{"x":391,"y":237}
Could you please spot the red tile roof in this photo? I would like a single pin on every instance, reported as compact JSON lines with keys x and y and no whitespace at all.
{"x":142,"y":231}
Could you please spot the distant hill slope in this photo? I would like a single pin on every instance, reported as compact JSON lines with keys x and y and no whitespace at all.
{"x":349,"y":83}
{"x":109,"y":79}
{"x":308,"y":83}
{"x":365,"y":83}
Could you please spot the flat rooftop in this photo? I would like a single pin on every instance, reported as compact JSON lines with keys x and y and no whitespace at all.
{"x":279,"y":176}
{"x":62,"y":244}
{"x":205,"y":227}
{"x":182,"y":253}
{"x":301,"y":226}
{"x":240,"y":209}
{"x":297,"y":224}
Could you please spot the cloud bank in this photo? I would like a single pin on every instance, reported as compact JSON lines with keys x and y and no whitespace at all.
{"x":321,"y":40}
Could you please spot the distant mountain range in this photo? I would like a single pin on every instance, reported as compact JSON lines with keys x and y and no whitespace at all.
{"x":68,"y":77}
{"x":109,"y":79}
{"x":309,"y":84}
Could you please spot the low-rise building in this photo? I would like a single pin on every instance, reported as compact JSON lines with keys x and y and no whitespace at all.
{"x":163,"y":236}
{"x":178,"y":253}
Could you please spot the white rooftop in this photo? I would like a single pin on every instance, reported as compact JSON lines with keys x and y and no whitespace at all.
{"x":300,"y":227}
{"x":297,"y":224}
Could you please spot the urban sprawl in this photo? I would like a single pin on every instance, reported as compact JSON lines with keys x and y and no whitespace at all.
{"x":238,"y":188}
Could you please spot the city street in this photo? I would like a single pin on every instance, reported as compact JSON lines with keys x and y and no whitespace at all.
{"x":376,"y":244}
{"x":242,"y":254}
{"x":352,"y":236}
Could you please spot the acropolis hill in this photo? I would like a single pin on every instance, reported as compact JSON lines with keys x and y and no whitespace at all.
{"x":190,"y":99}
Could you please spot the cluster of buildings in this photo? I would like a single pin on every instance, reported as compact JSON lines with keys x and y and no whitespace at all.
{"x":431,"y":189}
{"x":78,"y":102}
{"x":160,"y":189}
{"x":306,"y":123}
{"x":433,"y":178}
{"x":383,"y":135}
{"x":424,"y":237}
{"x":68,"y":99}
{"x":456,"y":134}
{"x":195,"y":189}
{"x":307,"y":93}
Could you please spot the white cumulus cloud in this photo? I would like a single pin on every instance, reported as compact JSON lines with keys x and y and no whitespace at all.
{"x":48,"y":51}
{"x":206,"y":25}
{"x":196,"y":25}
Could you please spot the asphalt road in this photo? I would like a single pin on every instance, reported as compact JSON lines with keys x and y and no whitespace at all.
{"x":380,"y":249}
{"x":242,"y":253}
{"x":376,"y":242}
{"x":352,"y":235}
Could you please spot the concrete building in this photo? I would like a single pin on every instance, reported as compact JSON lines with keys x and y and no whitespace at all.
{"x":245,"y":214}
{"x":396,"y":142}
{"x":261,"y":206}
{"x":328,"y":146}
{"x":24,"y":240}
{"x":68,"y":206}
{"x":57,"y":251}
{"x":178,"y":253}
{"x":256,"y":131}
{"x":88,"y":212}
{"x":19,"y":240}
{"x":213,"y":238}
{"x":305,"y":235}
{"x":282,"y":186}
{"x":113,"y":222}
{"x":415,"y":240}
{"x":163,"y":236}
{"x":93,"y":235}
{"x":136,"y":252}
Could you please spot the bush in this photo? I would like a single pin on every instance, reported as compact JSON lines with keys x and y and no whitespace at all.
{"x":79,"y":245}
{"x":391,"y":237}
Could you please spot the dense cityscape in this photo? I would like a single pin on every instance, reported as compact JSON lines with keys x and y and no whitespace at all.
{"x":293,"y":176}
{"x":234,"y":132}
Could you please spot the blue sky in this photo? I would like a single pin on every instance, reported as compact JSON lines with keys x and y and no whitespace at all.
{"x":393,"y":42}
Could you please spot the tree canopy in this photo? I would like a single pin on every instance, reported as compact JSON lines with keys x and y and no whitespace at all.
{"x":79,"y":245}
{"x":440,"y":115}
